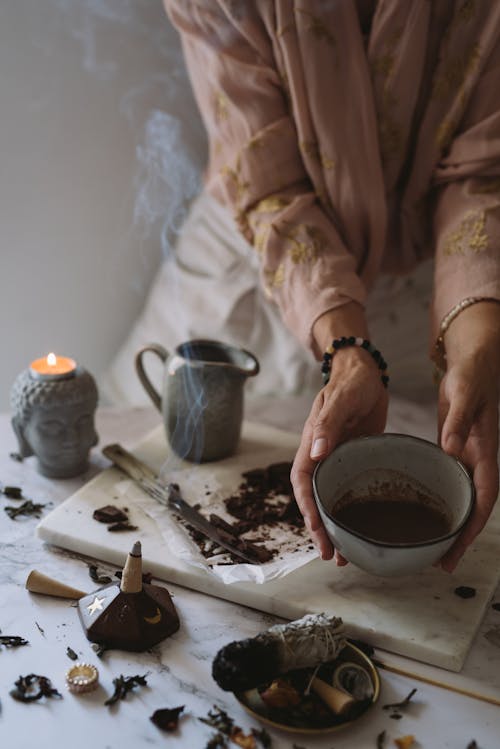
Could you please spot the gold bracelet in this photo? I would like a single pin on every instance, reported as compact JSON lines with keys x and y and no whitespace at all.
{"x":439,"y":354}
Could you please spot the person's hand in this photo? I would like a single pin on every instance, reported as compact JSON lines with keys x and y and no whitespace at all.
{"x":352,"y":404}
{"x":468,"y":411}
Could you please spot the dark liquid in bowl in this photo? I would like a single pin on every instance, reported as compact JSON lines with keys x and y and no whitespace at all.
{"x":393,"y":521}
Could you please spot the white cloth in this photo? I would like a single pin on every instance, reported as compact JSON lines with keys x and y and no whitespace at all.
{"x":209,"y":288}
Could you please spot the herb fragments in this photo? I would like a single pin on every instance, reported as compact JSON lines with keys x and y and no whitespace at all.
{"x":33,"y":687}
{"x":12,"y":641}
{"x":12,"y":492}
{"x":226,"y":731}
{"x":96,"y":576}
{"x":167,"y":718}
{"x":400,"y":706}
{"x":27,"y":508}
{"x":71,"y":654}
{"x":123,"y":685}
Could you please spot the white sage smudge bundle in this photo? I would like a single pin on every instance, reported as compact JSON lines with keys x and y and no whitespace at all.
{"x":304,"y":643}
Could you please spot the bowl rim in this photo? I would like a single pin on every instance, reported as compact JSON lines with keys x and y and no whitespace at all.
{"x":386,"y":544}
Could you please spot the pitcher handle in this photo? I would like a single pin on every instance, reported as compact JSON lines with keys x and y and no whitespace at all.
{"x":150,"y":389}
{"x":255,"y":368}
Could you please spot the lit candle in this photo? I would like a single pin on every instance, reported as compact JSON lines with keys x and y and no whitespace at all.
{"x":52,"y":367}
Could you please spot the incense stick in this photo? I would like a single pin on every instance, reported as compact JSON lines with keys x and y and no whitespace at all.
{"x":436,"y":683}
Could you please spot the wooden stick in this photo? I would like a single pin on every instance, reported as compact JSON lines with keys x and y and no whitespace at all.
{"x":436,"y":683}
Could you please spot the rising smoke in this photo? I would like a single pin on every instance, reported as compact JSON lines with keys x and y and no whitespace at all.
{"x":160,"y":109}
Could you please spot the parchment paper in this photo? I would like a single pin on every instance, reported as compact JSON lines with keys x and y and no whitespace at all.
{"x":207,"y":485}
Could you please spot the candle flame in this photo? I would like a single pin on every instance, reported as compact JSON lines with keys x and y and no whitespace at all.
{"x":51,"y":359}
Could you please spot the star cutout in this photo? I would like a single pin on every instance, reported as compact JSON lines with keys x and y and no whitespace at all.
{"x":96,"y":605}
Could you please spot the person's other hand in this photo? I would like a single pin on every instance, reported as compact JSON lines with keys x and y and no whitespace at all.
{"x":352,"y":404}
{"x":468,"y":411}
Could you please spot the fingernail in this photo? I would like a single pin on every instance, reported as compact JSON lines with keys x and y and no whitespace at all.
{"x":319,"y":447}
{"x":454,"y":444}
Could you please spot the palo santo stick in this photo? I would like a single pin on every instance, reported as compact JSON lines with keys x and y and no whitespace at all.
{"x":337,"y":700}
{"x":37,"y":582}
{"x":437,"y":683}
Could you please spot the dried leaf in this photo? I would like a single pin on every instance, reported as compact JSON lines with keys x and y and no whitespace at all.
{"x":219,"y":719}
{"x":465,"y":591}
{"x":12,"y":641}
{"x":123,"y":685}
{"x":96,"y":576}
{"x":167,"y":718}
{"x":400,"y":705}
{"x":263,"y":737}
{"x":25,"y":686}
{"x":27,"y":508}
{"x":13,"y":492}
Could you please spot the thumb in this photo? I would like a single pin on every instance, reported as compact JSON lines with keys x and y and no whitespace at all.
{"x":458,"y":421}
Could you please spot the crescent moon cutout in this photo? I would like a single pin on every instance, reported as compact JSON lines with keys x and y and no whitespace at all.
{"x":153,"y":619}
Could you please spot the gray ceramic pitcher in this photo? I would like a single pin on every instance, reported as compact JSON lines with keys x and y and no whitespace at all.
{"x":202,"y":396}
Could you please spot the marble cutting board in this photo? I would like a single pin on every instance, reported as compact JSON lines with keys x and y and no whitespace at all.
{"x":418,"y":616}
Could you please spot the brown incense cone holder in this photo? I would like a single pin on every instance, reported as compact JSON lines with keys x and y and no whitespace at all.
{"x":128,"y":621}
{"x":131,"y":615}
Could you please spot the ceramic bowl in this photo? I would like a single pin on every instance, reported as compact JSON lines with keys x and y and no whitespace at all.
{"x":367,"y":463}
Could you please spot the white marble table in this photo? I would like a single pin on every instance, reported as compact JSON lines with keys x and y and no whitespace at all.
{"x":179,"y":669}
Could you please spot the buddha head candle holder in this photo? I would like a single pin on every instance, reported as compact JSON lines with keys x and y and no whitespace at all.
{"x":53,"y":404}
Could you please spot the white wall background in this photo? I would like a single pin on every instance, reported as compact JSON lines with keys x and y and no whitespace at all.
{"x":95,"y":113}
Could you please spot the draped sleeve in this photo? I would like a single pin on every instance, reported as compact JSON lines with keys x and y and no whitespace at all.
{"x":467,"y":215}
{"x":255,"y":163}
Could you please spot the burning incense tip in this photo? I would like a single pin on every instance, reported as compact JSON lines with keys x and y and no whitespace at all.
{"x":136,"y":550}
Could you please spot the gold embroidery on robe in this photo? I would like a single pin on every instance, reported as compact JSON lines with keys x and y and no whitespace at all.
{"x":470,"y":235}
{"x":390,"y":136}
{"x":220,"y":106}
{"x":275,"y":278}
{"x":300,"y":249}
{"x":311,"y":148}
{"x":317,"y":27}
{"x":271,"y":204}
{"x":454,"y":78}
{"x":239,"y":186}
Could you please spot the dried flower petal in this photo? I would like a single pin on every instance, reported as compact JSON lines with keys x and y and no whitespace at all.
{"x":247,"y":741}
{"x":405,"y":742}
{"x":167,"y":718}
{"x":280,"y":694}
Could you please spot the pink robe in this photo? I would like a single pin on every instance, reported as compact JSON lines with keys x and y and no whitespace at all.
{"x":343,"y":154}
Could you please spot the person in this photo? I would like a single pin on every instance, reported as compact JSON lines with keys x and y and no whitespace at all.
{"x":352,"y":141}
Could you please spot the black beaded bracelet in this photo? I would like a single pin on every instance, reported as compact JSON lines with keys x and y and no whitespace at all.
{"x":343,"y":342}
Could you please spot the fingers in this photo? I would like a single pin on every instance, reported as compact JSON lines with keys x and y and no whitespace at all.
{"x":459,"y":417}
{"x":486,"y":483}
{"x":301,"y":478}
{"x":481,"y":456}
